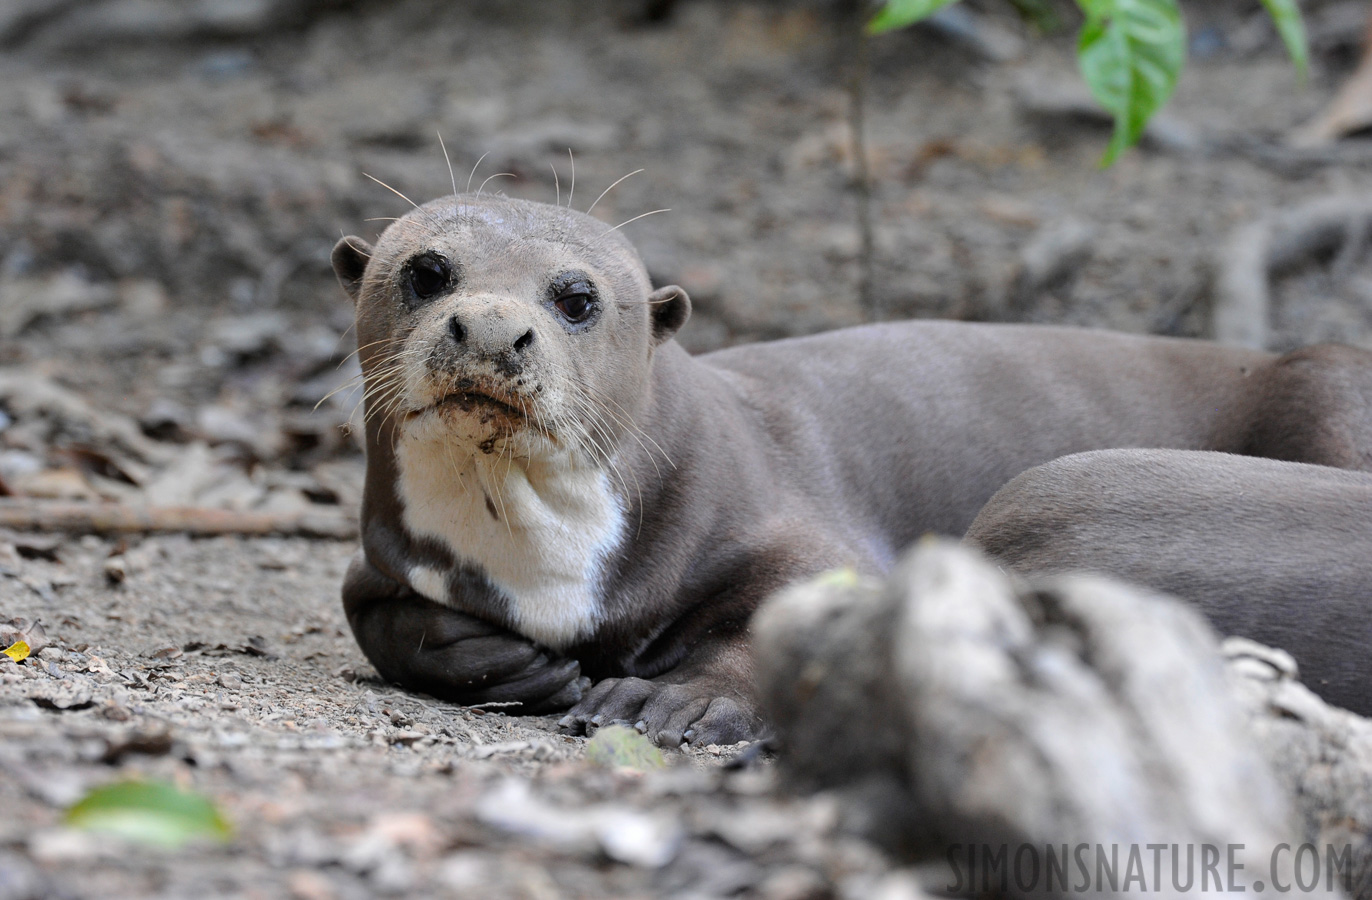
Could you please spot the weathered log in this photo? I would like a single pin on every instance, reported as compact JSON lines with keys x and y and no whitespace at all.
{"x":1322,"y":755}
{"x":959,"y":710}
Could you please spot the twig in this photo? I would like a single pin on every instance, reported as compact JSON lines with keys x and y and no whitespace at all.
{"x":22,"y":514}
{"x":862,"y":174}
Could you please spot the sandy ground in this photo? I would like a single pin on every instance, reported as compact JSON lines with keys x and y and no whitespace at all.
{"x":225,"y":666}
{"x":167,"y":205}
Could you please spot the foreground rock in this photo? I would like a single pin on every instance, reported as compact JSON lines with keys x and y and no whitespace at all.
{"x":1320,"y":754}
{"x":966,"y":716}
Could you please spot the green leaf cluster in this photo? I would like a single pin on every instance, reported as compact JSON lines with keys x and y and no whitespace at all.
{"x":1130,"y":52}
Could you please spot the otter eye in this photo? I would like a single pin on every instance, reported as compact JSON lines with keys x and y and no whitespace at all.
{"x":428,"y":275}
{"x":574,"y":305}
{"x":575,"y":298}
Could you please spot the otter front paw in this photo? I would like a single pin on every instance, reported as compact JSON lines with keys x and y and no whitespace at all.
{"x":435,"y":650}
{"x":693,"y":712}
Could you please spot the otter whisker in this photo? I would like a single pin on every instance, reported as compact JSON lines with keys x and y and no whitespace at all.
{"x":433,"y":221}
{"x":385,"y":398}
{"x":496,"y":175}
{"x":472,"y":174}
{"x":585,"y":407}
{"x":618,"y":474}
{"x":350,"y":383}
{"x":613,"y":467}
{"x":370,"y":344}
{"x":500,"y":494}
{"x":385,"y":340}
{"x":392,"y":190}
{"x":629,"y":419}
{"x":636,"y":218}
{"x":381,"y":376}
{"x":447,"y":159}
{"x":356,"y":249}
{"x":627,"y":424}
{"x":610,"y":188}
{"x":598,"y":419}
{"x":572,"y":192}
{"x":391,"y":393}
{"x":430,"y":224}
{"x":635,"y":434}
{"x":540,"y":422}
{"x":450,"y":454}
{"x":605,"y":417}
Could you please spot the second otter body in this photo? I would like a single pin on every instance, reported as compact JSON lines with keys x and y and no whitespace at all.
{"x":547,"y":468}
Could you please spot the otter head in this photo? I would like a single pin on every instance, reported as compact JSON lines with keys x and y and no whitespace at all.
{"x":504,"y":326}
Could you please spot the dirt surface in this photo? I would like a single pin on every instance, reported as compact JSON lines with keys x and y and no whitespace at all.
{"x":225,"y":665}
{"x":169,"y":193}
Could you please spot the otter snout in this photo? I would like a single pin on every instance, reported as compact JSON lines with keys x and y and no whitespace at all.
{"x":499,"y":335}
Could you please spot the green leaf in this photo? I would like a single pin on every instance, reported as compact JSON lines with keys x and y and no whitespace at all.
{"x":1130,"y":52}
{"x":615,"y":747}
{"x":1286,"y":15}
{"x":149,"y":812}
{"x":900,"y":13}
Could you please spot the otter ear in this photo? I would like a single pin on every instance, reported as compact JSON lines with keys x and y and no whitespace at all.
{"x":670,"y":308}
{"x":350,"y":257}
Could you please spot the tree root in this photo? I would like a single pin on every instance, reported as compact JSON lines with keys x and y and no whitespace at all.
{"x":1349,"y":112}
{"x":1257,"y":250}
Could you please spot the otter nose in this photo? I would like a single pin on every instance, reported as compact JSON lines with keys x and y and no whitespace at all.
{"x":497,"y":341}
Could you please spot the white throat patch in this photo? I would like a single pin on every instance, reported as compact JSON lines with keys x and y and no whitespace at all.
{"x":554,"y":525}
